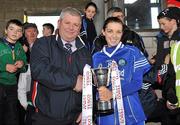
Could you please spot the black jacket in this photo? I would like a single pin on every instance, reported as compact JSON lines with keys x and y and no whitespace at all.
{"x":168,"y":74}
{"x":88,"y":32}
{"x":56,"y":72}
{"x":129,"y":37}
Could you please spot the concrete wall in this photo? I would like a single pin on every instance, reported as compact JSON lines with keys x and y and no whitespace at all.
{"x":16,"y":8}
{"x":149,"y":38}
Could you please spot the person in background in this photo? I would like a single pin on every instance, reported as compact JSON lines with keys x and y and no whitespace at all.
{"x":30,"y":36}
{"x":88,"y":30}
{"x":57,"y":64}
{"x":128,"y":58}
{"x":169,"y":21}
{"x":12,"y":61}
{"x":173,"y":3}
{"x":24,"y":82}
{"x":129,"y":36}
{"x":48,"y":29}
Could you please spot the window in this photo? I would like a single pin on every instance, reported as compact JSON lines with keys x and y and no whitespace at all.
{"x":142,"y":14}
{"x":40,"y":20}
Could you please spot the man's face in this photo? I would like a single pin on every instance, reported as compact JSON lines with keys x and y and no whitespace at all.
{"x":13,"y":32}
{"x":119,"y":15}
{"x":31,"y":34}
{"x":69,"y":27}
{"x":46,"y":31}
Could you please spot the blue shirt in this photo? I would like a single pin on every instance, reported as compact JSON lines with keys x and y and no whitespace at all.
{"x":132,"y":65}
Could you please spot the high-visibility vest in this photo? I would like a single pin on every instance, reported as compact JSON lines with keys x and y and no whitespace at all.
{"x":175,"y":59}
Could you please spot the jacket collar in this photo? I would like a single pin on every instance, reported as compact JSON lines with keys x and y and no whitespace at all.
{"x":78,"y":42}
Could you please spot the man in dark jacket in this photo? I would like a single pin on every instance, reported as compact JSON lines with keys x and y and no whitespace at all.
{"x":57,"y":64}
{"x":129,"y":36}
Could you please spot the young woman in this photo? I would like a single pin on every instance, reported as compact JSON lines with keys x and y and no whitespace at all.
{"x":131,"y":65}
{"x":88,"y":31}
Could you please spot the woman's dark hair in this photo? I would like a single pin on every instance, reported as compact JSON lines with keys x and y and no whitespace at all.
{"x":111,"y":20}
{"x":91,"y":4}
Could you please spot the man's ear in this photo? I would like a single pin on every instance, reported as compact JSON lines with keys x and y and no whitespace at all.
{"x":59,"y":21}
{"x":5,"y":31}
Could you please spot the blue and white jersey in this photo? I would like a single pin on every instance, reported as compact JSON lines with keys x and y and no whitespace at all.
{"x":132,"y":65}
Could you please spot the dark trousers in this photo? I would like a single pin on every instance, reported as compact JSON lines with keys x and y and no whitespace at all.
{"x":25,"y":116}
{"x":40,"y":119}
{"x":162,"y":114}
{"x":8,"y":105}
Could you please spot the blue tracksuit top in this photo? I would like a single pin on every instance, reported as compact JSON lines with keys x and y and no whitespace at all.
{"x":132,"y":65}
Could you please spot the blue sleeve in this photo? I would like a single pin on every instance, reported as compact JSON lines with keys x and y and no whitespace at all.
{"x":141,"y":66}
{"x":132,"y":87}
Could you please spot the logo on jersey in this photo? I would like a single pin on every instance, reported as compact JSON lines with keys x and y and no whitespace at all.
{"x":100,"y":65}
{"x":122,"y":62}
{"x":109,"y":63}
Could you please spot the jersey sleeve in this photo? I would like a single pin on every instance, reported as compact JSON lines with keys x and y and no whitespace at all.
{"x":141,"y":66}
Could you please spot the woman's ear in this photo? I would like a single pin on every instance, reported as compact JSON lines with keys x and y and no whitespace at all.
{"x":103,"y":33}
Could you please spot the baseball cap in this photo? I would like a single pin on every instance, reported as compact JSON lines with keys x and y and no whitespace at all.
{"x":170,"y":12}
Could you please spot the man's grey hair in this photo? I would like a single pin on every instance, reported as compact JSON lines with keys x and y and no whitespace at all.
{"x":112,"y":10}
{"x":70,"y":10}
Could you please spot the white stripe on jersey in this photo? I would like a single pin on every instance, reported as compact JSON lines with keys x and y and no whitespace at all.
{"x":140,"y":63}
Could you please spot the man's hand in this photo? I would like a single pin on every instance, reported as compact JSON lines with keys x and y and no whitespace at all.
{"x":171,"y":106}
{"x":19,"y":64}
{"x":104,"y":93}
{"x":79,"y":119}
{"x":167,"y":58}
{"x":79,"y":82}
{"x":11,"y":68}
{"x":25,"y":48}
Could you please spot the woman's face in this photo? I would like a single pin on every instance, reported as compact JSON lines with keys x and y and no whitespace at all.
{"x":90,"y":12}
{"x":167,"y":25}
{"x":113,"y":33}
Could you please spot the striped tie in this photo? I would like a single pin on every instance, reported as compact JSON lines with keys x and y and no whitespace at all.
{"x":68,"y":47}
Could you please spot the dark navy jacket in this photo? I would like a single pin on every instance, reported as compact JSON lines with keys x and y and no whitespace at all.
{"x":56,"y":71}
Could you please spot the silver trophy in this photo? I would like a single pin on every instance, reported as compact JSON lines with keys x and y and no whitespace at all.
{"x":101,"y":77}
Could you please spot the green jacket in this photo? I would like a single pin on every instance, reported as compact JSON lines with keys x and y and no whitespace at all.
{"x":7,"y":78}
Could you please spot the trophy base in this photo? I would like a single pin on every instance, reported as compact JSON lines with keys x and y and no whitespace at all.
{"x":105,"y":107}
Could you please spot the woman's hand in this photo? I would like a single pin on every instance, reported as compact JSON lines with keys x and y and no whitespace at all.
{"x":104,"y":94}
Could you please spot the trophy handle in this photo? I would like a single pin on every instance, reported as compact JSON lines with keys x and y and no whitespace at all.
{"x":109,"y":74}
{"x":94,"y":79}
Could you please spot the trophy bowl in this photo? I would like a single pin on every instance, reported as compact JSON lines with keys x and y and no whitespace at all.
{"x":101,"y":77}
